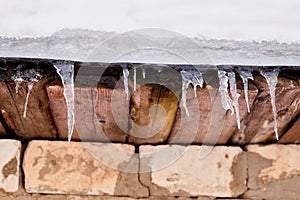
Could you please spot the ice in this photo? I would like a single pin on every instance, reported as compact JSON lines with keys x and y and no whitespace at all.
{"x":30,"y":76}
{"x":190,"y":77}
{"x":134,"y":78}
{"x":246,"y":75}
{"x":29,"y":86}
{"x":66,"y":73}
{"x":17,"y":79}
{"x":18,"y":82}
{"x":235,"y":97}
{"x":126,"y":74}
{"x":185,"y":86}
{"x":225,"y":99}
{"x":144,"y":73}
{"x":271,"y":78}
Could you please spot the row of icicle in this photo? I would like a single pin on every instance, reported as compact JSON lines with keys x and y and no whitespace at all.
{"x":66,"y":73}
{"x":231,"y":103}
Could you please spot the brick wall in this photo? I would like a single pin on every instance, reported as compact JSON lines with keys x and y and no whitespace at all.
{"x":42,"y":169}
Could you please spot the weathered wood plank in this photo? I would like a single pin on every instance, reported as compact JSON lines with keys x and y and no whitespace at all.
{"x":38,"y":122}
{"x":208,"y":122}
{"x":292,"y":135}
{"x":94,"y":117}
{"x":153,"y":110}
{"x":2,"y":131}
{"x":258,"y":127}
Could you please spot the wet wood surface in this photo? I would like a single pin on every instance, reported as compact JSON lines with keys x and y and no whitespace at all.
{"x":207,"y":122}
{"x":292,"y":136}
{"x":93,"y":113}
{"x":2,"y":131}
{"x":258,"y":126}
{"x":38,"y":122}
{"x":152,"y":114}
{"x":153,"y":110}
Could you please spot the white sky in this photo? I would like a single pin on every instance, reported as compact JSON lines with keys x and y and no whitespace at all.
{"x":221,"y":19}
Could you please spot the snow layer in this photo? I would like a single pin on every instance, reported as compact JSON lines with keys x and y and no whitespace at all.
{"x":80,"y":44}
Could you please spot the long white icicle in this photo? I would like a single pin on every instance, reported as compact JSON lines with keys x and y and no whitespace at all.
{"x":66,"y":73}
{"x":245,"y":76}
{"x":126,"y":74}
{"x":272,"y":78}
{"x":235,"y":97}
{"x":30,"y":86}
{"x":225,"y":99}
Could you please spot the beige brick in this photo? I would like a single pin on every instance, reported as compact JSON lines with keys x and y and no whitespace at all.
{"x":88,"y":197}
{"x":195,"y":171}
{"x":9,"y":165}
{"x":65,"y":197}
{"x":69,"y":168}
{"x":274,"y":172}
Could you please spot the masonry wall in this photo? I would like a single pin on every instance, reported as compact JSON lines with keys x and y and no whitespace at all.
{"x":42,"y":169}
{"x":146,"y":146}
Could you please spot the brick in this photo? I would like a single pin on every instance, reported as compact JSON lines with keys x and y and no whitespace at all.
{"x":89,"y":197}
{"x":274,"y":172}
{"x":9,"y":165}
{"x":77,"y":168}
{"x":194,"y":171}
{"x":64,"y":197}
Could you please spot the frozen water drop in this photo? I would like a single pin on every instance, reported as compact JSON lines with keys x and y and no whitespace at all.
{"x":235,"y":97}
{"x":126,"y":74}
{"x":272,"y":78}
{"x":66,"y":73}
{"x":245,"y":76}
{"x":225,"y":99}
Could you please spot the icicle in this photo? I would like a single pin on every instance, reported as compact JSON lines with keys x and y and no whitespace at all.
{"x":235,"y":97}
{"x":66,"y":73}
{"x":246,"y":75}
{"x":226,"y":100}
{"x":134,"y":78}
{"x":194,"y":78}
{"x":271,"y":78}
{"x":185,"y":86}
{"x":144,"y":73}
{"x":17,"y":78}
{"x":126,"y":74}
{"x":197,"y":81}
{"x":18,"y":82}
{"x":29,"y":86}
